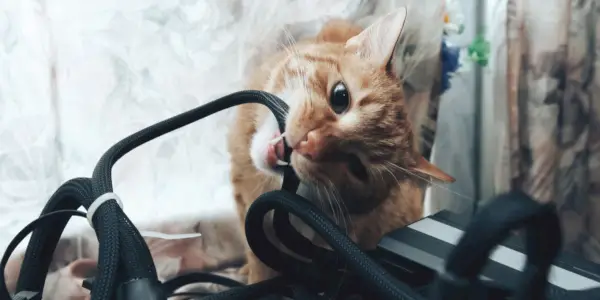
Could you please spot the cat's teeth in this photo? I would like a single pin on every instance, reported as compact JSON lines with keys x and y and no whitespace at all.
{"x":277,"y":139}
{"x":281,"y":163}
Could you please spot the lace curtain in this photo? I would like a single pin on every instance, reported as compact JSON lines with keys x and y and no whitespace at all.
{"x":75,"y":79}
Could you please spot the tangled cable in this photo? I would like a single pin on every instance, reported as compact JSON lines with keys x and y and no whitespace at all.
{"x":126,"y":270}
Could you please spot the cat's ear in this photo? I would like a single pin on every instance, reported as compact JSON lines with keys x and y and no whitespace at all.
{"x":378,"y":41}
{"x":430,"y":170}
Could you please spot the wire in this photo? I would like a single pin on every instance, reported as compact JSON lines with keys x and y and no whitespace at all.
{"x":43,"y":220}
{"x":181,"y":280}
{"x":191,"y":295}
{"x":126,"y":270}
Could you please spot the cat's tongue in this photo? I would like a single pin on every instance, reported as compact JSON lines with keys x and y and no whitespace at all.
{"x":275,"y":150}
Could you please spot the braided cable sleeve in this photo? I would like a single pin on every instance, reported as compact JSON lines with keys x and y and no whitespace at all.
{"x":492,"y":224}
{"x":45,"y":220}
{"x":136,"y":257}
{"x":123,"y":254}
{"x":373,"y":275}
{"x":275,"y":286}
{"x":125,"y":264}
{"x":171,"y":285}
{"x":38,"y":255}
{"x":102,"y":173}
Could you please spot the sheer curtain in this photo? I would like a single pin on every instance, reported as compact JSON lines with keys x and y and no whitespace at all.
{"x":76,"y":77}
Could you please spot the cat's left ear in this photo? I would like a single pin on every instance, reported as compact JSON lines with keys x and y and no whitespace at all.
{"x":378,"y":41}
{"x":428,"y":169}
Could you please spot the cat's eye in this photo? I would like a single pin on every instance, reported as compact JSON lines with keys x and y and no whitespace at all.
{"x":339,"y":99}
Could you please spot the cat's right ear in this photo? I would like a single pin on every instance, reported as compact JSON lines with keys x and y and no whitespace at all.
{"x":378,"y":41}
{"x":427,"y":169}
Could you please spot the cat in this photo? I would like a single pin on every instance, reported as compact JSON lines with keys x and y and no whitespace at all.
{"x":218,"y":249}
{"x":353,"y":147}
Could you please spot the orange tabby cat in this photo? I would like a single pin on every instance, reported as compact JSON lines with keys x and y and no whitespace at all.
{"x":354,"y":150}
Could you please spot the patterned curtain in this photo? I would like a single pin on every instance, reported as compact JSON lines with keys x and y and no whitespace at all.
{"x":553,"y":111}
{"x":418,"y":63}
{"x":423,"y":101}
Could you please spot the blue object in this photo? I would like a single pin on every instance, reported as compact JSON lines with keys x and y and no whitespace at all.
{"x":450,"y":62}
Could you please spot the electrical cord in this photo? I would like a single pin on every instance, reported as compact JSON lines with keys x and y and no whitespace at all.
{"x":124,"y":261}
{"x":126,"y":270}
{"x":491,"y":226}
{"x":171,"y":285}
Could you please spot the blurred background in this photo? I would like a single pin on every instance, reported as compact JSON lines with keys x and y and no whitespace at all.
{"x":77,"y":76}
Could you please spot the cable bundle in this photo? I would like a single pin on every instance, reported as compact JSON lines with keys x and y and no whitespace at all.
{"x":126,"y":270}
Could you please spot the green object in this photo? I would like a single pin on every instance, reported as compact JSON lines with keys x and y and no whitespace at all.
{"x":479,"y":51}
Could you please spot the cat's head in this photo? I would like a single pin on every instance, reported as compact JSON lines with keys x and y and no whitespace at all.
{"x":347,"y":122}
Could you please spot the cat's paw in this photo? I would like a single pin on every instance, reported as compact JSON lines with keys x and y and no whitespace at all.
{"x":260,"y":273}
{"x":244,"y":270}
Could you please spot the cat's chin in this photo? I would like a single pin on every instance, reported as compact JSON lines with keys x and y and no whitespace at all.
{"x":307,"y":171}
{"x":310,"y":172}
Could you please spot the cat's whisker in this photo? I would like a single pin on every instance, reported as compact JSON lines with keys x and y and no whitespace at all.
{"x":381,"y":175}
{"x":346,"y":221}
{"x":280,"y":109}
{"x":428,"y":180}
{"x":392,"y":174}
{"x":346,"y":218}
{"x":301,"y":68}
{"x":373,"y":174}
{"x":325,"y":198}
{"x":331,"y":208}
{"x":291,"y":48}
{"x":340,"y":216}
{"x":334,"y":214}
{"x":319,"y":197}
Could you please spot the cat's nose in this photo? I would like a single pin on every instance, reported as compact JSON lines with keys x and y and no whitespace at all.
{"x":310,"y":146}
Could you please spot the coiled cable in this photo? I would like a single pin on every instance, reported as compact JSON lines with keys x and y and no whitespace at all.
{"x":126,"y":270}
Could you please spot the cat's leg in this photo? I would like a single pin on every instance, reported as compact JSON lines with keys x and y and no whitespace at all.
{"x":249,"y":184}
{"x":257,"y":270}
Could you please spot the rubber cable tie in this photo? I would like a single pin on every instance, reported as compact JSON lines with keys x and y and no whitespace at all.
{"x":98,"y":202}
{"x":151,"y":234}
{"x":169,"y":236}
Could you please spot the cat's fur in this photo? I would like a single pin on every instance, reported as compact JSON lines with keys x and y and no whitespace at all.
{"x":375,"y":128}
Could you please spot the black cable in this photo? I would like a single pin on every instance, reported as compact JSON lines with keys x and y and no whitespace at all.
{"x":38,"y":254}
{"x":295,"y":241}
{"x":191,"y":295}
{"x":126,"y":270}
{"x":113,"y":228}
{"x":44,"y":220}
{"x":101,"y":177}
{"x":373,"y":275}
{"x":275,"y":286}
{"x":171,"y":285}
{"x":490,"y":227}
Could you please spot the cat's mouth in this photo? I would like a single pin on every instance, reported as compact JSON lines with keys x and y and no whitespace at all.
{"x":275,"y":152}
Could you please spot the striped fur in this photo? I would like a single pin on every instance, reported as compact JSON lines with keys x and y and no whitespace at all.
{"x":375,"y":128}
